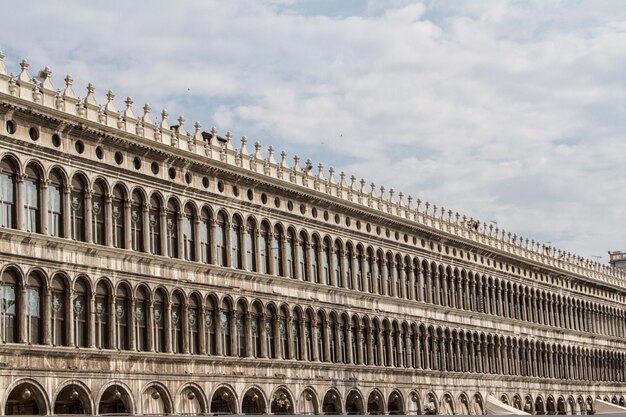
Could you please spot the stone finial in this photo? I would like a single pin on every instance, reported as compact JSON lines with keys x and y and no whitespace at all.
{"x":244,"y":146}
{"x":164,"y":124}
{"x":373,"y":190}
{"x":320,"y":173}
{"x":36,"y":92}
{"x":283,"y":160}
{"x":45,"y":76}
{"x":391,"y":194}
{"x":418,"y":208}
{"x":296,"y":163}
{"x":409,"y":202}
{"x":90,"y":98}
{"x":382,"y":193}
{"x":342,"y":179}
{"x":353,"y":182}
{"x":23,"y":75}
{"x":128,"y":113}
{"x":229,"y":141}
{"x":331,"y":176}
{"x":400,"y":198}
{"x":181,"y":126}
{"x":197,"y":134}
{"x":110,"y":106}
{"x":3,"y":68}
{"x":270,"y":156}
{"x":69,"y":91}
{"x":363,"y":182}
{"x":146,"y":119}
{"x":257,"y":151}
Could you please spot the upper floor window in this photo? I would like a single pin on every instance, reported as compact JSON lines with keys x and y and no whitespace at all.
{"x":7,"y":193}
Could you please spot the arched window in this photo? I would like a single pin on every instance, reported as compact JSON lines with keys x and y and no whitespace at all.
{"x":303,"y":257}
{"x":205,"y":236}
{"x":77,"y":200}
{"x":118,"y":216}
{"x":176,"y":324}
{"x":220,"y":239}
{"x":97,"y":212}
{"x":7,"y":193}
{"x":9,"y":307}
{"x":383,"y":345}
{"x":102,"y":316}
{"x":277,"y":251}
{"x":337,"y":266}
{"x":193,"y":314}
{"x":269,"y":333}
{"x":136,"y":221}
{"x":209,"y":323}
{"x":158,"y":315}
{"x":241,"y":332}
{"x":264,"y":248}
{"x":235,"y":242}
{"x":171,"y":223}
{"x":315,"y":259}
{"x":81,"y":313}
{"x":32,"y":199}
{"x":34,"y":310}
{"x":326,"y":261}
{"x":354,"y":335}
{"x":189,"y":235}
{"x":290,"y":253}
{"x":58,"y":295}
{"x":343,"y":342}
{"x":154,"y":220}
{"x":250,"y":246}
{"x":255,"y":326}
{"x":376,"y":338}
{"x":122,"y":318}
{"x":364,"y":342}
{"x":55,"y":204}
{"x":141,"y":312}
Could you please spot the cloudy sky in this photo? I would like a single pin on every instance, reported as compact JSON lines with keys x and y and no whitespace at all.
{"x":512,"y":112}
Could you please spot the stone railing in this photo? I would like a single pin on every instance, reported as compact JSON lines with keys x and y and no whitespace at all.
{"x":39,"y":91}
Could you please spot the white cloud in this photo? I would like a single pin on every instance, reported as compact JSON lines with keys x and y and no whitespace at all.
{"x":503,"y":111}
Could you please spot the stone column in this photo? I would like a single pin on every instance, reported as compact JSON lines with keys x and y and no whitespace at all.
{"x":112,"y":320}
{"x":444,"y":280}
{"x":257,"y":254}
{"x":217,"y":323}
{"x":91,"y":328}
{"x":334,"y":280}
{"x":326,"y":346}
{"x":314,"y":352}
{"x":132,"y":345}
{"x":229,"y":243}
{"x":180,"y":242}
{"x":88,"y":217}
{"x":359,"y":344}
{"x":352,"y":277}
{"x":213,"y":245}
{"x":44,"y":206}
{"x":67,"y":212}
{"x":202,"y":330}
{"x":150,"y":326}
{"x":145,"y":212}
{"x":270,"y":253}
{"x":290,"y":337}
{"x":283,"y":245}
{"x":108,"y":220}
{"x":263,"y":336}
{"x":20,"y":221}
{"x":128,"y":234}
{"x":167,"y":321}
{"x":370,"y":346}
{"x":184,"y":327}
{"x":248,"y":330}
{"x":234,"y":345}
{"x":47,"y":315}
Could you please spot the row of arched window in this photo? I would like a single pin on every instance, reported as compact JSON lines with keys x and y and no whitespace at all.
{"x":133,"y":220}
{"x":155,"y":320}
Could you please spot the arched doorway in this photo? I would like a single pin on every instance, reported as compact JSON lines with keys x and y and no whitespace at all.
{"x":331,"y":403}
{"x":308,"y":403}
{"x":551,"y":406}
{"x":395,"y":404}
{"x":253,"y":402}
{"x":354,"y":403}
{"x":26,"y":399}
{"x":73,"y":399}
{"x":282,"y":403}
{"x":155,"y":400}
{"x":115,"y":400}
{"x":191,"y":401}
{"x":375,"y":403}
{"x":539,"y":406}
{"x":223,"y":402}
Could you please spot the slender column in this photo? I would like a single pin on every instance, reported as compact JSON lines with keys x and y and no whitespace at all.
{"x":353,"y":276}
{"x":217,"y":320}
{"x":289,"y":334}
{"x":283,"y":260}
{"x":20,"y":198}
{"x":263,"y":336}
{"x":234,"y":346}
{"x":180,"y":242}
{"x":296,"y":261}
{"x":145,"y":213}
{"x":164,"y":232}
{"x":374,"y":274}
{"x":43,"y":215}
{"x":91,"y":328}
{"x":229,"y":243}
{"x":257,"y":253}
{"x":167,"y":320}
{"x":314,"y":352}
{"x":213,"y":244}
{"x":132,"y":345}
{"x":128,"y":236}
{"x":47,"y":315}
{"x":270,"y":253}
{"x":67,"y":212}
{"x":184,"y":327}
{"x":334,"y":280}
{"x":370,"y":347}
{"x":276,"y":332}
{"x":150,"y":326}
{"x":248,"y":331}
{"x":202,"y":330}
{"x":445,"y":300}
{"x":326,"y":346}
{"x":435,"y":291}
{"x":359,"y":344}
{"x":112,"y":320}
{"x":407,"y":346}
{"x":108,"y":220}
{"x":88,"y":217}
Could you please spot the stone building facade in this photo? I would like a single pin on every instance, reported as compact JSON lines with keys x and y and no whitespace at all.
{"x":147,"y":269}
